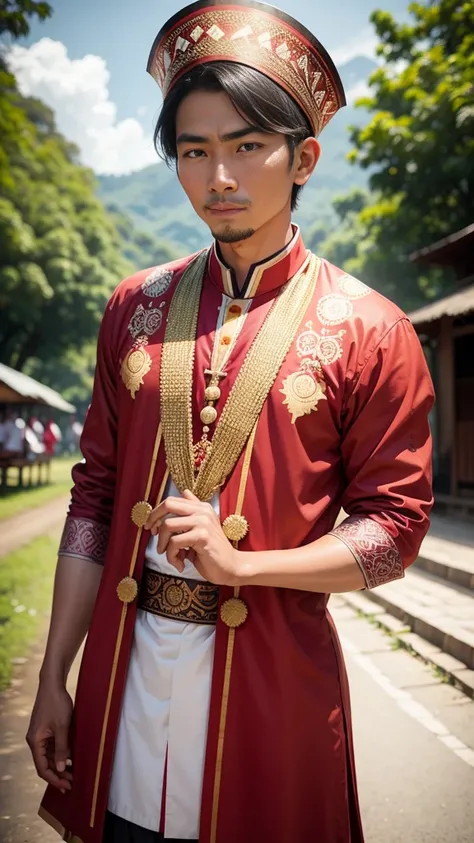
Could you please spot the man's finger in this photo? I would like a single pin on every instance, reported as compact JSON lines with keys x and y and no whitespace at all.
{"x":44,"y":770}
{"x":172,"y":526}
{"x":188,"y":495}
{"x":178,"y":543}
{"x":170,"y":506}
{"x":61,"y":748}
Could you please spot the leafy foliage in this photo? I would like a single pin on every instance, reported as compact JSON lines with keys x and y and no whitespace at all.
{"x":15,"y":14}
{"x":60,"y":254}
{"x":418,"y":148}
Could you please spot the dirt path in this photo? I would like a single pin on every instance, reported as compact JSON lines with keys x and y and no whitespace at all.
{"x":29,"y":525}
{"x":20,"y":788}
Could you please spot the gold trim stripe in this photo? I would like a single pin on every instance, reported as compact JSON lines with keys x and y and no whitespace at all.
{"x":220,"y":739}
{"x":118,"y":644}
{"x":245,"y":473}
{"x":229,"y":654}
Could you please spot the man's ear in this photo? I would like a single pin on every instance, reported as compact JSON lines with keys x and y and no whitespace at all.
{"x":306,"y":157}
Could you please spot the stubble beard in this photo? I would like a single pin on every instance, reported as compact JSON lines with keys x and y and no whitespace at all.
{"x":232,"y":235}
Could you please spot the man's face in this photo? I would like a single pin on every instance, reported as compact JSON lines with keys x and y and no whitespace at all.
{"x":236,"y":178}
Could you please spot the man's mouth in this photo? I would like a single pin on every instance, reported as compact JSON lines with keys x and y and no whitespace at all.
{"x":225,"y":209}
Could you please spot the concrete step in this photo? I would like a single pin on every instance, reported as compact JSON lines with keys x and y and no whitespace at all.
{"x":426,"y":614}
{"x":448,"y":554}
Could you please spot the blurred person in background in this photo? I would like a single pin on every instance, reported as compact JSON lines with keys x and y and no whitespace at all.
{"x":34,"y":444}
{"x":13,"y":434}
{"x":52,"y":437}
{"x":72,"y":435}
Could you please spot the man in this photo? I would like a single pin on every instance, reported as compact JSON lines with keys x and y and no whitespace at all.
{"x":243,"y":396}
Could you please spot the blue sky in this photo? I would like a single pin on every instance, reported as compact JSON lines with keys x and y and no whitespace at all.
{"x":88,"y":63}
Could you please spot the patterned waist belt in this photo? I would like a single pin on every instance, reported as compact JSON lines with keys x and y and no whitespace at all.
{"x":173,"y":597}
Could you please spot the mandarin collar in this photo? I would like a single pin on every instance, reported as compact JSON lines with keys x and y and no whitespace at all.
{"x":263,"y":277}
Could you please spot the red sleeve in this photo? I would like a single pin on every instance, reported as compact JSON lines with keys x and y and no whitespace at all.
{"x":87,"y":526}
{"x":386,"y":451}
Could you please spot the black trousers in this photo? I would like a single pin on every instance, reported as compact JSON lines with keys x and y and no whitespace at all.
{"x":117,"y":830}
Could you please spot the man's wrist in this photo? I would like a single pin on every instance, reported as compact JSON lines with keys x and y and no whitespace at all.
{"x":244,"y":568}
{"x":54,"y":676}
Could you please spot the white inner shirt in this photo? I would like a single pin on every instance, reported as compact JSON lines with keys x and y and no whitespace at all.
{"x":165,"y":712}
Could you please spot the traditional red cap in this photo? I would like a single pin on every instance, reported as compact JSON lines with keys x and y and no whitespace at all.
{"x":256,"y":35}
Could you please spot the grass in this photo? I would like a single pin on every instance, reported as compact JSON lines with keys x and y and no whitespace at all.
{"x":26,"y":585}
{"x":14,"y":499}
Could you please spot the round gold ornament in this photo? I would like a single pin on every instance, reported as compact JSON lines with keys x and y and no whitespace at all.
{"x":234,"y":612}
{"x":208,"y":415}
{"x":235,"y":527}
{"x":127,"y":590}
{"x":212,"y":393}
{"x":174,"y":595}
{"x":140,"y":513}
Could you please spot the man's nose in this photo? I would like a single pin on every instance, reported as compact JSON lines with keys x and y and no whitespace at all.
{"x":221,"y":180}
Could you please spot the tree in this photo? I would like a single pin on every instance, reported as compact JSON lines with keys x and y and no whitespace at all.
{"x":15,"y":14}
{"x":418,"y":146}
{"x":60,"y":254}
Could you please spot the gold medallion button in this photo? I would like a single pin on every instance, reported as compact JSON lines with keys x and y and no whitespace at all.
{"x":127,"y":590}
{"x":212,"y":393}
{"x":140,"y":513}
{"x":235,"y":527}
{"x":234,"y":612}
{"x":208,"y":415}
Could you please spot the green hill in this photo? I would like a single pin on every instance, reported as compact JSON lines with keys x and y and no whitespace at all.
{"x":157,"y":205}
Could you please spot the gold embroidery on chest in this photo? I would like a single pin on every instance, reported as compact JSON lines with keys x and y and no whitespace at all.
{"x":303,"y":390}
{"x":334,"y":309}
{"x":352,"y":287}
{"x":145,"y":321}
{"x":157,"y":282}
{"x":136,"y":365}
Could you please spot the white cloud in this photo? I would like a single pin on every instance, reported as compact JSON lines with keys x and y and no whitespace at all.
{"x":77,"y":90}
{"x":362,"y":44}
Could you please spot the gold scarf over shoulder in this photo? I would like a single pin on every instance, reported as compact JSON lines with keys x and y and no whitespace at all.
{"x":252,"y":385}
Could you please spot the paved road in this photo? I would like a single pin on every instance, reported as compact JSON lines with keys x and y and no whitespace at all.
{"x":414,"y":741}
{"x":408,"y":726}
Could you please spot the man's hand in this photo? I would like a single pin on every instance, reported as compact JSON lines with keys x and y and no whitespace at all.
{"x":48,"y":735}
{"x":194,"y":526}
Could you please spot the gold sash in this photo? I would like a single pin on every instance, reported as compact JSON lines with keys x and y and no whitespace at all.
{"x":251,"y":387}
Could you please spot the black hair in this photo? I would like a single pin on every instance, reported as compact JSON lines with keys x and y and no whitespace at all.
{"x":256,"y":97}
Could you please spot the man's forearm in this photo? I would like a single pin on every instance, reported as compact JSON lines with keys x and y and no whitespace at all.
{"x":75,"y":590}
{"x":326,"y":565}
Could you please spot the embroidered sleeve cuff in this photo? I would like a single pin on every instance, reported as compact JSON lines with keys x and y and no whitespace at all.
{"x":373,"y":549}
{"x":85,"y":539}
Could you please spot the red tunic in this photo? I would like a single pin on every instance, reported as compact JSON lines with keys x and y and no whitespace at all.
{"x":286,"y":772}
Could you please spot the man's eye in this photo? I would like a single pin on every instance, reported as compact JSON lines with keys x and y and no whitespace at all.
{"x":194,"y":153}
{"x":250,"y":146}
